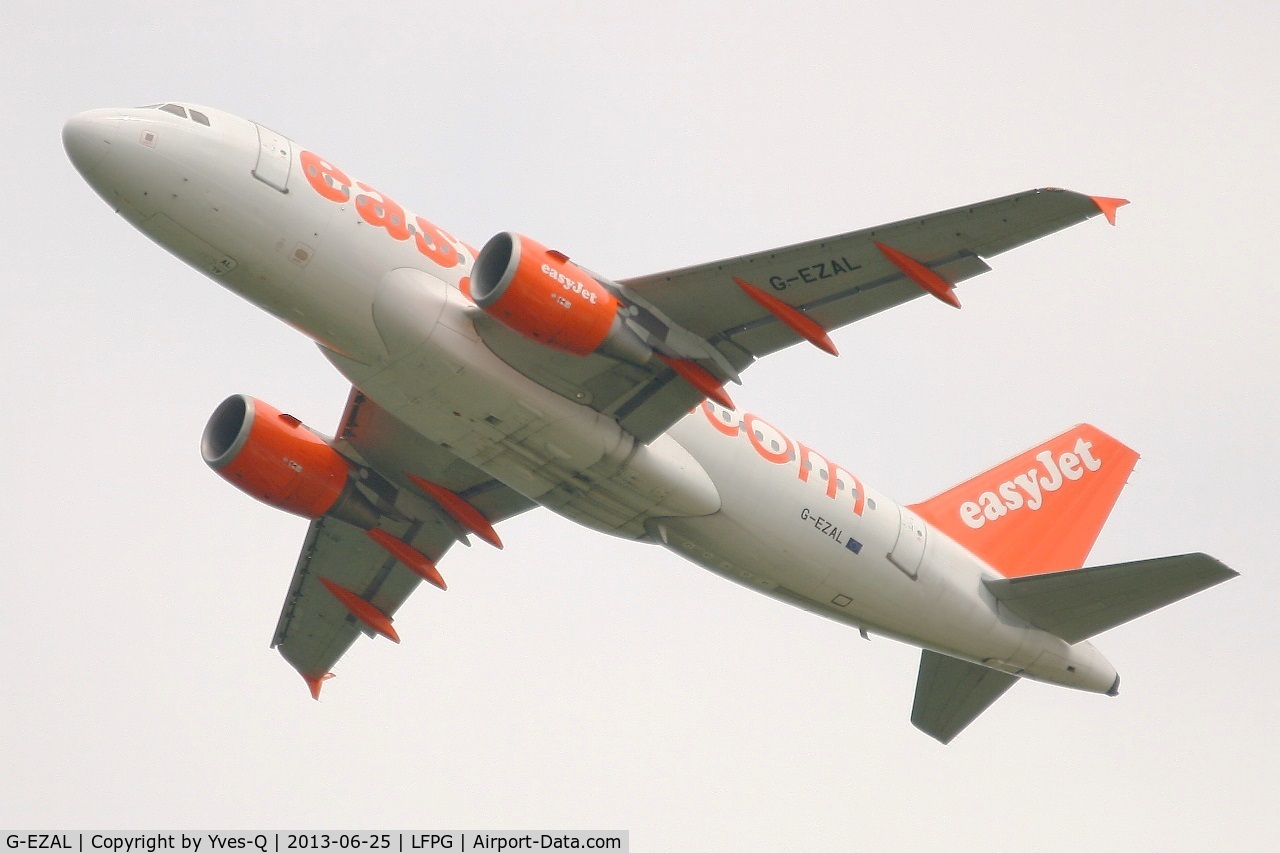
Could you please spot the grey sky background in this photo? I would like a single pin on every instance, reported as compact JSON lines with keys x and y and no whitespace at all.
{"x":577,"y":681}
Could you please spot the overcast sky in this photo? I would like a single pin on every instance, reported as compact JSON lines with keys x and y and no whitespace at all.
{"x":572,"y":680}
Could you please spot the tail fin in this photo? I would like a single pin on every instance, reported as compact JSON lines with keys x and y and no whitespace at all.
{"x":1040,"y":511}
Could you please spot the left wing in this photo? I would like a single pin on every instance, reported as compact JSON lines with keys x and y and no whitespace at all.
{"x":316,"y":628}
{"x":829,"y":283}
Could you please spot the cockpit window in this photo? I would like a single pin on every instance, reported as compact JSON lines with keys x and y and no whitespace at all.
{"x":200,"y":118}
{"x":175,"y":109}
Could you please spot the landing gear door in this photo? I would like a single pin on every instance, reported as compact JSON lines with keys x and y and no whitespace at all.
{"x":275,"y":157}
{"x":908,"y":551}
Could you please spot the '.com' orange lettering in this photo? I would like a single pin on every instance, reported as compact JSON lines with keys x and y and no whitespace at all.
{"x":772,"y":445}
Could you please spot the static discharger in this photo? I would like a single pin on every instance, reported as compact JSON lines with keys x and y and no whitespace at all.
{"x":315,"y":682}
{"x":791,"y":317}
{"x":459,"y":509}
{"x":371,"y":616}
{"x":699,"y":377}
{"x":415,"y":560}
{"x":921,"y":275}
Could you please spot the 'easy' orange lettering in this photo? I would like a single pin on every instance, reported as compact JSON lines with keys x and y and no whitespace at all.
{"x":380,"y":211}
{"x":325,"y":178}
{"x":434,"y":243}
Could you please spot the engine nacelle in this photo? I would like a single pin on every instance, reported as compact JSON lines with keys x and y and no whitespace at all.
{"x":544,"y":296}
{"x":279,"y":461}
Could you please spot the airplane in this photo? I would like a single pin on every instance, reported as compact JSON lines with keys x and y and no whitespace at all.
{"x":486,"y":383}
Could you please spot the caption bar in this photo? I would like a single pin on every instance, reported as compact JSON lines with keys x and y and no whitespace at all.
{"x":293,"y":842}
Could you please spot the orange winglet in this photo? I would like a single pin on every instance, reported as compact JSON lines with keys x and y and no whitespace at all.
{"x":921,"y":275}
{"x":791,"y":317}
{"x":417,"y":562}
{"x":371,"y":616}
{"x":1108,"y":206}
{"x":698,"y":376}
{"x":460,"y":509}
{"x":314,"y":682}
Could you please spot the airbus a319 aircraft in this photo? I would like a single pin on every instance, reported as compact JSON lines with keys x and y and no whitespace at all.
{"x":485,"y":383}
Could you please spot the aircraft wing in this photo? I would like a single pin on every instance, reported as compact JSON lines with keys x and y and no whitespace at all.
{"x":832,"y":282}
{"x":315,"y":628}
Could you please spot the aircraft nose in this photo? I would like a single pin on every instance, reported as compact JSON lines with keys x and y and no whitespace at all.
{"x":87,"y":137}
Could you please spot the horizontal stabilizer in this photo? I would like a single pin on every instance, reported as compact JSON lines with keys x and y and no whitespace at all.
{"x":951,"y":693}
{"x":1078,"y":604}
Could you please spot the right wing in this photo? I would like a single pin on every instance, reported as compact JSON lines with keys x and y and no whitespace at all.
{"x":951,"y":693}
{"x":833,"y":281}
{"x":839,"y":280}
{"x":315,"y":629}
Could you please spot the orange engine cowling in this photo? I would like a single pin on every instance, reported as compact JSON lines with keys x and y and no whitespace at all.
{"x":274,"y":457}
{"x":544,"y":296}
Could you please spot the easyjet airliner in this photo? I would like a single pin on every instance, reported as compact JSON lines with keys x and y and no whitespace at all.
{"x":485,"y":383}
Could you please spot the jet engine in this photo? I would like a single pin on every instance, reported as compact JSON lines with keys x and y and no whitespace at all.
{"x":277,"y":460}
{"x":542,"y":295}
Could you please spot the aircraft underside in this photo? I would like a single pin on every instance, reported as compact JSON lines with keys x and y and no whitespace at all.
{"x":486,"y":383}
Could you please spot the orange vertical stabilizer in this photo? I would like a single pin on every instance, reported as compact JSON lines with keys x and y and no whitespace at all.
{"x":1040,"y":511}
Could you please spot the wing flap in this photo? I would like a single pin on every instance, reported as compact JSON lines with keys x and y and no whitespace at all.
{"x":951,"y":693}
{"x":1080,"y":603}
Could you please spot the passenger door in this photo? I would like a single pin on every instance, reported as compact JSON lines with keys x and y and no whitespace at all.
{"x":275,"y":158}
{"x":908,"y":550}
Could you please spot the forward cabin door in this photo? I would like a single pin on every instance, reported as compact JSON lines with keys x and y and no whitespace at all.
{"x":908,"y":550}
{"x":275,"y":158}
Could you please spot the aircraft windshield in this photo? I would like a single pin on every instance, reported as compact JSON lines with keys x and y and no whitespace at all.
{"x":181,"y":112}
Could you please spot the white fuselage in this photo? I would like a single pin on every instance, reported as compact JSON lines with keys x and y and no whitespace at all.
{"x":726,"y":490}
